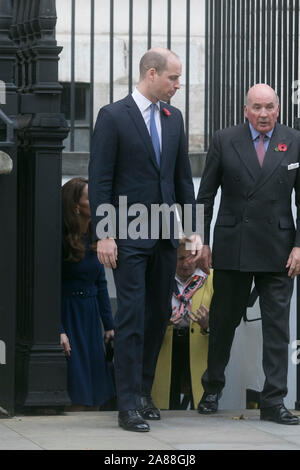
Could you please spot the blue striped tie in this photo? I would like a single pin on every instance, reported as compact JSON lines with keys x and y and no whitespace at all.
{"x":154,"y":134}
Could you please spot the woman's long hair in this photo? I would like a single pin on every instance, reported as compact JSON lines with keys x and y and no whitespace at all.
{"x":72,"y":244}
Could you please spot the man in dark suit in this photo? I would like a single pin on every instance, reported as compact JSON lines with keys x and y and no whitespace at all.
{"x":257,"y":166}
{"x":139,"y":151}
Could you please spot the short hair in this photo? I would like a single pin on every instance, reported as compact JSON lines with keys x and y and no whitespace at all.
{"x":154,"y":59}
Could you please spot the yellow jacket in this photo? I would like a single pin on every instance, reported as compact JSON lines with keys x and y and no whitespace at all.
{"x":198,"y":354}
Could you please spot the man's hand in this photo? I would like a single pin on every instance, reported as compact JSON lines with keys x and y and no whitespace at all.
{"x":107,"y":252}
{"x":109,"y":335}
{"x":195,"y":245}
{"x":205,"y":260}
{"x":201,"y":317}
{"x":64,"y":341}
{"x":293,"y":263}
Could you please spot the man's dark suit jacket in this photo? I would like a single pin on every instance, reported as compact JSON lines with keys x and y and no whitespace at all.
{"x":123,"y":161}
{"x":254,"y":229}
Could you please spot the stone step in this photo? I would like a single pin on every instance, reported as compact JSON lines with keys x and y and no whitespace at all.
{"x":76,"y":163}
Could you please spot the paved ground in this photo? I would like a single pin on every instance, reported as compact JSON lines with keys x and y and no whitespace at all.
{"x":178,"y":430}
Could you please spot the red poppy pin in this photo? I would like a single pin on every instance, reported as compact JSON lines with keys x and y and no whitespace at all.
{"x":281,"y":148}
{"x":166,"y":112}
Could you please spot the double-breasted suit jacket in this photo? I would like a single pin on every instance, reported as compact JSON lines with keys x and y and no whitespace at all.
{"x":254,"y":230}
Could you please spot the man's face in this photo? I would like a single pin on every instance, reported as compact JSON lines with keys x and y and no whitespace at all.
{"x":263,"y":109}
{"x":164,"y":86}
{"x":184,"y":269}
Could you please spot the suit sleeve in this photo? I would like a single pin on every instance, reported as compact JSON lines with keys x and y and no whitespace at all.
{"x":102,"y":163}
{"x":104,"y":302}
{"x":210,"y":182}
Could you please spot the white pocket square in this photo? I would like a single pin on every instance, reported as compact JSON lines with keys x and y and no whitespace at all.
{"x":293,"y":166}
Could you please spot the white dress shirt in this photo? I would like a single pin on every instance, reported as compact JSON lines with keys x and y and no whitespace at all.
{"x":144,"y":106}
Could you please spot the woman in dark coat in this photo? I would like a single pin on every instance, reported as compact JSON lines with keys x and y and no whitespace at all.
{"x":85,"y":302}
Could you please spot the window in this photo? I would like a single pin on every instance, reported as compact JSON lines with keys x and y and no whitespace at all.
{"x":81,"y":101}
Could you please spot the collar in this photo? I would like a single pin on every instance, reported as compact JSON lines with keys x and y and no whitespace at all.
{"x":255,"y":133}
{"x":141,"y":100}
{"x":197,"y":272}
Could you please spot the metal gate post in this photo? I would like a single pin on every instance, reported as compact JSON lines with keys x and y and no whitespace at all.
{"x":8,"y":210}
{"x":41,"y":378}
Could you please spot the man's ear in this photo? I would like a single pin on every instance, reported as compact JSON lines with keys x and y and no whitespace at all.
{"x":151,"y":73}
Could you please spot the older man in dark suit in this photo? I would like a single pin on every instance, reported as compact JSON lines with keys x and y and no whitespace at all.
{"x":139,"y":151}
{"x":257,"y":167}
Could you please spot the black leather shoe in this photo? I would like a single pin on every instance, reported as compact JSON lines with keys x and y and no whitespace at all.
{"x":131,"y":420}
{"x":278,"y":414}
{"x":148,"y":410}
{"x":208,"y":403}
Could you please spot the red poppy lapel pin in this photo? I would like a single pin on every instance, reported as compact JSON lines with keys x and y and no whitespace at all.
{"x":166,"y":112}
{"x":281,"y":148}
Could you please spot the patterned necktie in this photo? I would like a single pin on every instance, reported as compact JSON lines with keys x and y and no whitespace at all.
{"x":154,"y":134}
{"x":260,"y":149}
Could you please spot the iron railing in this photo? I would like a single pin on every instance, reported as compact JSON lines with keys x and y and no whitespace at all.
{"x":9,"y":142}
{"x":168,"y":5}
{"x":246,"y":42}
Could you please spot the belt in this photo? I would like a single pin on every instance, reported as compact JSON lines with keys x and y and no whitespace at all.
{"x":91,"y":291}
{"x":181,"y":331}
